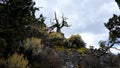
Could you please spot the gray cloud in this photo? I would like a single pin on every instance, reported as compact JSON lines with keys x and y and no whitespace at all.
{"x":85,"y":16}
{"x":93,"y":19}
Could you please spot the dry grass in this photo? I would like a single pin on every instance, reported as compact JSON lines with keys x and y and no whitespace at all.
{"x":17,"y":61}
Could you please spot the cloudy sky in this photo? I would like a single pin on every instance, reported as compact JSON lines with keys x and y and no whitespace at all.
{"x":86,"y":17}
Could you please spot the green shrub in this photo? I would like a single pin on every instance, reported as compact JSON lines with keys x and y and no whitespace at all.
{"x":76,"y":41}
{"x":3,"y":46}
{"x":82,"y":50}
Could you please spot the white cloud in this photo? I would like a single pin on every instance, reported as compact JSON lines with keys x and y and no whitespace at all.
{"x":87,"y":17}
{"x":110,"y":7}
{"x":64,"y":2}
{"x":115,"y":51}
{"x":93,"y":39}
{"x":88,"y":38}
{"x":41,"y":3}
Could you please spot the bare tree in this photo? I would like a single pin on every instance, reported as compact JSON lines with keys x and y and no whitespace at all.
{"x":59,"y":25}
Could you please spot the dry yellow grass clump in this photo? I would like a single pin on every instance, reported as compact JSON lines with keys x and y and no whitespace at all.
{"x":17,"y":61}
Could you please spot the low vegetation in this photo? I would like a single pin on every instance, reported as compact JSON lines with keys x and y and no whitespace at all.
{"x":27,"y":42}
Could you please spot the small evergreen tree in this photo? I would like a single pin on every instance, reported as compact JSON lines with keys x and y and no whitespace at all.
{"x":113,"y":25}
{"x":15,"y":16}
